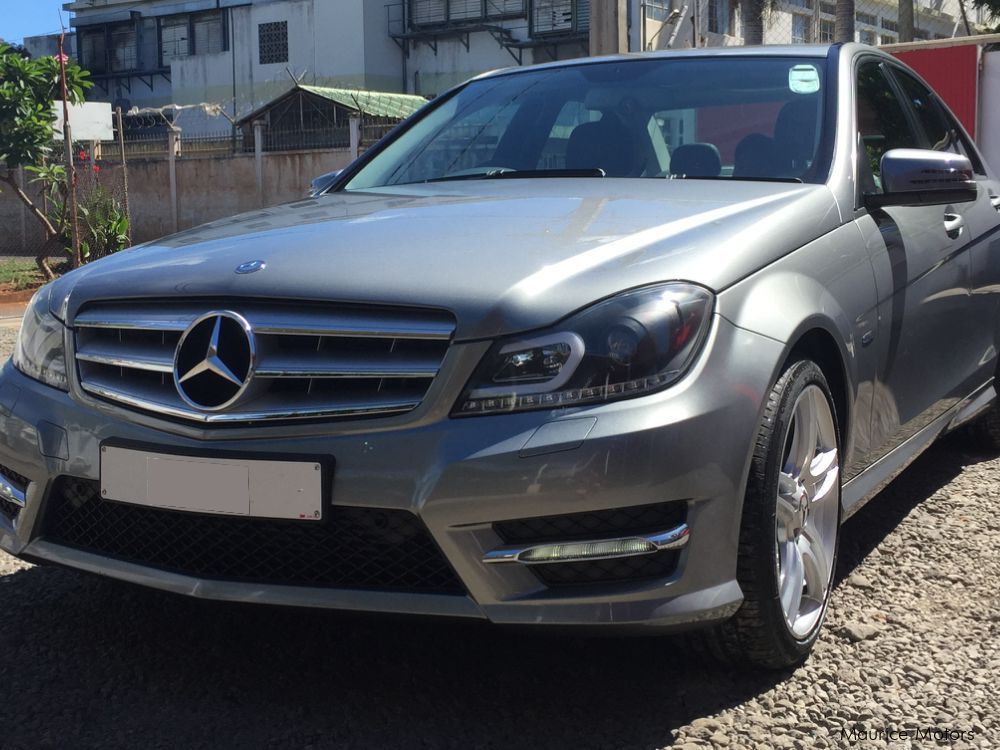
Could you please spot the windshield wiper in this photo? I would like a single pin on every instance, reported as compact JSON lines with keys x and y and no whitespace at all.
{"x":738,"y":179}
{"x":516,"y":174}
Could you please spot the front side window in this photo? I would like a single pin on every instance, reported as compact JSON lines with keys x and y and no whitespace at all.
{"x":702,"y":118}
{"x":882,"y":123}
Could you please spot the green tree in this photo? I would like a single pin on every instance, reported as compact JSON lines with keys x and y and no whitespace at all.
{"x":993,"y":8}
{"x":28,"y":90}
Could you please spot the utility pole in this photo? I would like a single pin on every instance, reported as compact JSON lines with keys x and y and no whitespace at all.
{"x":608,"y":27}
{"x":70,"y":167}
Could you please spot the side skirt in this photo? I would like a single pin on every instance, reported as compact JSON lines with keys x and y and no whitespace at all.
{"x":874,"y":479}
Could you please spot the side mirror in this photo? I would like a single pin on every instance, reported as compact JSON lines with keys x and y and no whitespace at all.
{"x":322,"y":182}
{"x":920,"y":177}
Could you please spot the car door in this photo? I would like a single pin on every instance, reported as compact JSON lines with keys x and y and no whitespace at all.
{"x":926,"y":353}
{"x":982,"y":218}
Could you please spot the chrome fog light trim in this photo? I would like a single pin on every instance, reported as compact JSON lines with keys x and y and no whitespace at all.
{"x":9,"y":492}
{"x":598,"y":549}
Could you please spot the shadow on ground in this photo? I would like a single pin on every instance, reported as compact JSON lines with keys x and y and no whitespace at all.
{"x":88,"y":662}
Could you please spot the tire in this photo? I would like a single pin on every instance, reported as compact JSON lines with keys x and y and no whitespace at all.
{"x":984,"y":431}
{"x":790,"y":527}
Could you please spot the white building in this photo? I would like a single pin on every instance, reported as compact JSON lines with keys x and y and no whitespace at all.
{"x":240,"y":54}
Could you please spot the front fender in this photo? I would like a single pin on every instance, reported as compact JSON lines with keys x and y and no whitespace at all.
{"x":826,"y":285}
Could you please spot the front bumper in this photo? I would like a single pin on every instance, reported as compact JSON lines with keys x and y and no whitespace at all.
{"x":461,"y":477}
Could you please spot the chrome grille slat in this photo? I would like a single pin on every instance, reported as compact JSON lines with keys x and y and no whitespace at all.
{"x":321,"y":366}
{"x":150,"y":399}
{"x":149,"y":358}
{"x":313,"y":361}
{"x":281,"y":320}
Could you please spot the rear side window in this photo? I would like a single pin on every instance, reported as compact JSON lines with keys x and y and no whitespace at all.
{"x":882,"y":123}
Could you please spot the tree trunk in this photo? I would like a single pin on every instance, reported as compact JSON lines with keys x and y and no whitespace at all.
{"x":50,"y":231}
{"x":906,"y":20}
{"x":965,"y":17}
{"x":844,"y":25}
{"x":753,"y":21}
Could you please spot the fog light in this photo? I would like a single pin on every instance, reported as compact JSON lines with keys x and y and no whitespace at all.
{"x":601,"y":549}
{"x":587,"y":550}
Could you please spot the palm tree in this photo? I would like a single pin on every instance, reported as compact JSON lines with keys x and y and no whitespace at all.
{"x":906,"y":20}
{"x":844,"y":25}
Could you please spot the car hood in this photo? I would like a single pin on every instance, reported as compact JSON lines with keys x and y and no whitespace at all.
{"x":502,"y":255}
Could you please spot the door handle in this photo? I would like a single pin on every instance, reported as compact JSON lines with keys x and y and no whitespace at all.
{"x":953,"y":224}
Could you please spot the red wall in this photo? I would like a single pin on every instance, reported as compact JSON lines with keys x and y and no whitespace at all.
{"x":952,"y":72}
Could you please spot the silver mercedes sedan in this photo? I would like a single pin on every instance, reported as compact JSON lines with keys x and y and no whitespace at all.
{"x":611,"y":342}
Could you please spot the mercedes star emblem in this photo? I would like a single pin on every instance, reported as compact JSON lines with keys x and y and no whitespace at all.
{"x":251,"y":266}
{"x":215,"y":360}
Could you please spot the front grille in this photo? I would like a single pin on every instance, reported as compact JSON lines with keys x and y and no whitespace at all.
{"x":353,"y":548}
{"x":601,"y":524}
{"x":310,"y":361}
{"x":20,"y":483}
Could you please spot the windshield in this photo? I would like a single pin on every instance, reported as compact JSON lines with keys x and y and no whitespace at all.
{"x":744,"y":118}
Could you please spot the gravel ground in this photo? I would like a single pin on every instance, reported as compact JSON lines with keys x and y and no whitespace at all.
{"x":910,"y":643}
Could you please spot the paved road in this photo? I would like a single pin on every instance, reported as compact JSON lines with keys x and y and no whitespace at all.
{"x":91,"y":663}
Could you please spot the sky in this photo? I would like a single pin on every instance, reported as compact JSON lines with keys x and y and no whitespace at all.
{"x":21,"y":18}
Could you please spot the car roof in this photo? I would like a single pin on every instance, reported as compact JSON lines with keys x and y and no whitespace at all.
{"x":818,"y":51}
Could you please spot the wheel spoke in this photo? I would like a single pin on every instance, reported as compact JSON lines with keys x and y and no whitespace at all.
{"x":826,"y":471}
{"x":787,"y":511}
{"x":791,"y":580}
{"x":815,"y":565}
{"x":806,"y":429}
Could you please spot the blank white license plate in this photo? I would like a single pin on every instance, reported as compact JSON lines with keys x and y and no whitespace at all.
{"x":264,"y":489}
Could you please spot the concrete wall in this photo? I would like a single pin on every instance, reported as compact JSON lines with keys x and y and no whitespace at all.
{"x":211,"y":188}
{"x":208,"y":188}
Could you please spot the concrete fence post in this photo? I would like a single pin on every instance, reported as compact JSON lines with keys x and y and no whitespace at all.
{"x":355,"y":128}
{"x":24,"y":212}
{"x":258,"y":153}
{"x":172,"y":161}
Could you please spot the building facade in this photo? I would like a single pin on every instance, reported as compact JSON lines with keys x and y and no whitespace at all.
{"x":239,"y":54}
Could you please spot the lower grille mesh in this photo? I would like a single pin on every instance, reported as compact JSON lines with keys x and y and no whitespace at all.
{"x":356,"y":548}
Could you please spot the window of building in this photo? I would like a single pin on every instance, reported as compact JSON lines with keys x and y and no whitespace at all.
{"x":801,"y":29}
{"x":808,"y":4}
{"x":867,"y":37}
{"x":559,"y":16}
{"x":888,"y":39}
{"x":504,"y":8}
{"x":124,"y":48}
{"x":273,"y":41}
{"x":209,"y":32}
{"x":889,"y":25}
{"x":826,"y":30}
{"x":829,"y":8}
{"x":93,"y":50}
{"x":868,"y":18}
{"x":720,"y":16}
{"x":175,"y":38}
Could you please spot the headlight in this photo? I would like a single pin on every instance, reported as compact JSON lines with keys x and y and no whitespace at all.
{"x":40,"y":350}
{"x":630,"y":345}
